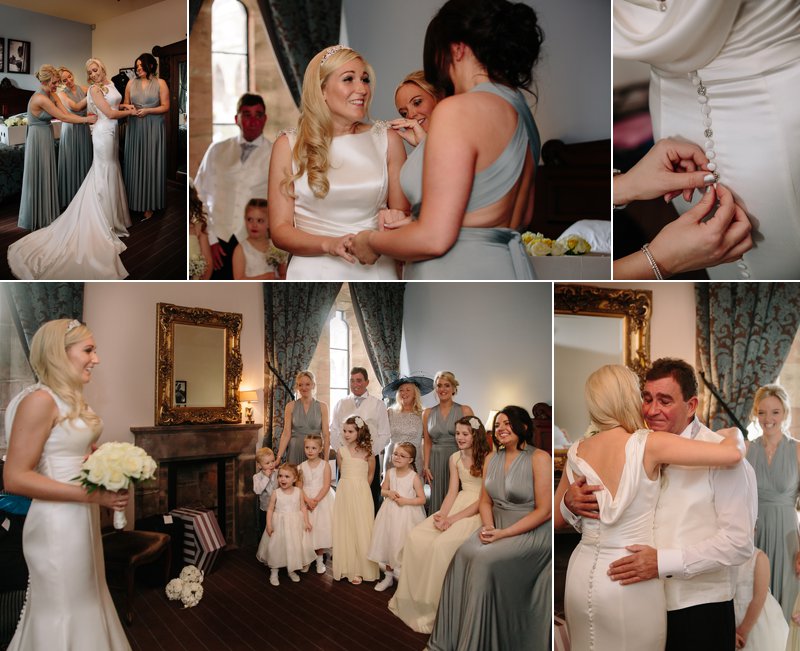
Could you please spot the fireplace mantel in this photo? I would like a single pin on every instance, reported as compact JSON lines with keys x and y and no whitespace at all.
{"x":233,"y":445}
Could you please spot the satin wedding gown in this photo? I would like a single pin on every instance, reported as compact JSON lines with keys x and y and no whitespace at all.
{"x":68,"y":606}
{"x":747,"y":54}
{"x":359,"y":185}
{"x":602,"y":614}
{"x":84,"y":242}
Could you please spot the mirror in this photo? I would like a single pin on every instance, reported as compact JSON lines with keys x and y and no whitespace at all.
{"x":593,"y":326}
{"x":198,"y":365}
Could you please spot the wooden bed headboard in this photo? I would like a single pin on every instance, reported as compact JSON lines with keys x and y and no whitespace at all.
{"x":573,"y":182}
{"x":13,"y":100}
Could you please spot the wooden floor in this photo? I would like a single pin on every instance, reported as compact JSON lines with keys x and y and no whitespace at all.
{"x":156,"y":247}
{"x":241,"y":610}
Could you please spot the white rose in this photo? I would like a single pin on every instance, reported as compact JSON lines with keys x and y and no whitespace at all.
{"x":116,"y":480}
{"x":558,"y":248}
{"x":540,"y":247}
{"x":583,"y":246}
{"x":174,"y":589}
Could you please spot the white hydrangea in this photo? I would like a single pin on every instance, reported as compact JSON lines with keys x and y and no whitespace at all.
{"x":174,"y":589}
{"x":191,"y":574}
{"x":191,"y":594}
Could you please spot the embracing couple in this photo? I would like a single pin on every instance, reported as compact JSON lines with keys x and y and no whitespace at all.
{"x":656,"y":565}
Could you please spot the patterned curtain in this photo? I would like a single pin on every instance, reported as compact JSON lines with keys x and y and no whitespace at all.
{"x":298,"y":30}
{"x":379,"y":312}
{"x":744,"y":333}
{"x":294,"y":315}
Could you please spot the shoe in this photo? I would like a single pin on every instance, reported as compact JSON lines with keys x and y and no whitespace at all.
{"x":321,"y":569}
{"x":148,"y":214}
{"x":305,"y":568}
{"x":356,"y":580}
{"x":273,"y":579}
{"x":294,"y":577}
{"x":388,"y":582}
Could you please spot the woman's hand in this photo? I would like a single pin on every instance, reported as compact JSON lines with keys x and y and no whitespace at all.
{"x":427,"y":475}
{"x":360,"y":248}
{"x":441,"y":523}
{"x":339,"y":246}
{"x":91,"y":118}
{"x":409,"y":130}
{"x":140,"y":113}
{"x":390,"y":218}
{"x":115,"y":500}
{"x":489,"y":535}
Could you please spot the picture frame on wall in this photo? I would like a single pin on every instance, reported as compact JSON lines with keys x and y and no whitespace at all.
{"x":2,"y":55}
{"x":130,"y":73}
{"x":19,"y":56}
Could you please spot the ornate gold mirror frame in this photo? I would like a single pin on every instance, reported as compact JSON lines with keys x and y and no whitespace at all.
{"x":167,"y":411}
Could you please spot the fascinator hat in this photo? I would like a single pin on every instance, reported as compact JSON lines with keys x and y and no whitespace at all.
{"x":424,"y":384}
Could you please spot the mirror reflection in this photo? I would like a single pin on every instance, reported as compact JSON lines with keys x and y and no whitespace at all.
{"x":199,"y":366}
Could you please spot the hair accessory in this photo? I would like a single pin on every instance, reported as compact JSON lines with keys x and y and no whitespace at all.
{"x":73,"y":324}
{"x":331,"y":51}
{"x":474,"y":423}
{"x":359,"y":421}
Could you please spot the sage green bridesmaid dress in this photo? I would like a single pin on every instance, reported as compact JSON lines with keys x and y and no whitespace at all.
{"x":145,"y":163}
{"x":74,"y":152}
{"x":38,"y":204}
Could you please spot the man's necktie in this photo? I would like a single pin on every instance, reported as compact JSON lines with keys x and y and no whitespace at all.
{"x":247,"y":149}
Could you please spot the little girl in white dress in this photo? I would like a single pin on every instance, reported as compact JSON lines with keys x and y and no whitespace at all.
{"x":760,"y":625}
{"x":256,"y":258}
{"x":403,"y":509}
{"x":286,"y":541}
{"x":318,"y":497}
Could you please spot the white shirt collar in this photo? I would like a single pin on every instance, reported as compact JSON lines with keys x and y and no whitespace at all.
{"x":257,"y":142}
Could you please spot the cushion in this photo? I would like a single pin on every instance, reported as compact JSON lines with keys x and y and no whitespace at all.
{"x":596,"y":232}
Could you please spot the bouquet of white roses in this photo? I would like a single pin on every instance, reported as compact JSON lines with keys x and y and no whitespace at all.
{"x":197,"y":266}
{"x":113,"y":466}
{"x":537,"y":244}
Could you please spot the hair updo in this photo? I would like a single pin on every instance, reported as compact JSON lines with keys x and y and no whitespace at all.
{"x":47,"y":73}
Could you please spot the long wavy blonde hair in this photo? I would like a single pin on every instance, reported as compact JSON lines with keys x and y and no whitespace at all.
{"x":55,"y":370}
{"x":315,"y":126}
{"x":614,"y":399}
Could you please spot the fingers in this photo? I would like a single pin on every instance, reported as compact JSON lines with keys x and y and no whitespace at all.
{"x":703,"y":208}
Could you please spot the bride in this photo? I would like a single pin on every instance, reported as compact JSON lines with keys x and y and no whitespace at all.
{"x":625,"y":458}
{"x":83,"y":243}
{"x":329,"y":177}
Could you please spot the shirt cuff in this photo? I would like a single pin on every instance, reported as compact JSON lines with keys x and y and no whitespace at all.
{"x":670,"y":564}
{"x":569,"y":516}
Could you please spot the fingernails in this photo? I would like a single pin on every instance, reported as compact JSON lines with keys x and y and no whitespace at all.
{"x":708,"y":188}
{"x":708,"y":178}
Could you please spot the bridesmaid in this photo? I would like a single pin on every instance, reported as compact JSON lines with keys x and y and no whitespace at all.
{"x":145,"y":142}
{"x":75,"y":145}
{"x":775,"y":456}
{"x":39,"y":201}
{"x":306,"y":415}
{"x":438,"y":432}
{"x":405,"y":416}
{"x":497,"y":589}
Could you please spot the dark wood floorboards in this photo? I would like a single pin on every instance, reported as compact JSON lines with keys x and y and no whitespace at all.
{"x":156,"y":247}
{"x":240,"y":610}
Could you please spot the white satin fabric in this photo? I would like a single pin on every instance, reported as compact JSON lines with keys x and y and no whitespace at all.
{"x":602,"y":614}
{"x":747,"y":53}
{"x":68,"y":606}
{"x":83,"y":243}
{"x":359,"y":185}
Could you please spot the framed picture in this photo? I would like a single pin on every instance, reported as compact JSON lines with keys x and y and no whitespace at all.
{"x":130,"y":73}
{"x":2,"y":55}
{"x":19,"y":56}
{"x":180,"y":392}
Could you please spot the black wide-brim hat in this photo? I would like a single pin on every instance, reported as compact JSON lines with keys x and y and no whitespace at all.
{"x":424,"y":384}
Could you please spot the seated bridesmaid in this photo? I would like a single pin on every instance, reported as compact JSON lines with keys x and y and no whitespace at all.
{"x":497,"y":589}
{"x":431,"y":544}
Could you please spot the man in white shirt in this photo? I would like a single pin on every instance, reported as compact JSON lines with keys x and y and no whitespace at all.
{"x":373,"y":411}
{"x":703,"y":524}
{"x":232,"y":172}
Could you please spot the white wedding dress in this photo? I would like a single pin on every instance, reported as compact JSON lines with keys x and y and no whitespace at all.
{"x":84,"y":242}
{"x":68,"y":606}
{"x":602,"y":614}
{"x":747,"y":54}
{"x":359,"y":185}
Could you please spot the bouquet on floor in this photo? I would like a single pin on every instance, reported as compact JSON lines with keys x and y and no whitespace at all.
{"x":187,"y":587}
{"x":114,"y":466}
{"x":537,"y":244}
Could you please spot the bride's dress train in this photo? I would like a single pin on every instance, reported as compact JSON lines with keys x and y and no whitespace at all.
{"x":84,"y":242}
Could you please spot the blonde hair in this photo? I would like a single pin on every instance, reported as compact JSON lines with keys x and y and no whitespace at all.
{"x":62,"y":70}
{"x":447,"y":375}
{"x":773,"y":391}
{"x":99,"y":63}
{"x":262,"y":453}
{"x":55,"y":370}
{"x":315,"y":126}
{"x":614,"y":398}
{"x":310,"y":376}
{"x":46,"y":73}
{"x":416,"y":406}
{"x":417,"y":78}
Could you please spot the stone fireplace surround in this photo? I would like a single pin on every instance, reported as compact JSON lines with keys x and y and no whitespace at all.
{"x":232,"y":447}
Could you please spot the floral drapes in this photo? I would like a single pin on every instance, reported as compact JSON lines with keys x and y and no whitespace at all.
{"x":744,"y":333}
{"x":298,"y":30}
{"x":294,"y":315}
{"x":379,"y":311}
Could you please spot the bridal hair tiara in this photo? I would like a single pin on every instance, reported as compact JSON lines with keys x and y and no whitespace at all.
{"x":72,"y":325}
{"x":331,"y":51}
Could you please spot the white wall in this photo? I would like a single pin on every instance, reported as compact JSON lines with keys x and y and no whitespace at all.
{"x":123,"y":319}
{"x":118,"y":41}
{"x":495,"y":338}
{"x":53,"y":40}
{"x":573,"y":77}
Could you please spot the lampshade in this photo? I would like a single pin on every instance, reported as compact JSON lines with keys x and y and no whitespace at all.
{"x":248,"y":396}
{"x":490,"y":419}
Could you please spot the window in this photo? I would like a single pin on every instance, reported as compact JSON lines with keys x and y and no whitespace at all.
{"x":15,"y":372}
{"x":339,"y":348}
{"x":229,"y":64}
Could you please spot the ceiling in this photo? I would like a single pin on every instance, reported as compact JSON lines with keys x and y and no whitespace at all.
{"x":89,"y":12}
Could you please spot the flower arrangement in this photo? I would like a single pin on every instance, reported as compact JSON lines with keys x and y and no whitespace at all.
{"x":16,"y":121}
{"x":275,"y":256}
{"x":537,"y":244}
{"x":114,"y":466}
{"x":197,"y":266}
{"x":187,"y":587}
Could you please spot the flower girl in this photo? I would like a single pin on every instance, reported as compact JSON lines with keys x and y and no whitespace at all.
{"x":255,"y":258}
{"x":318,"y":496}
{"x":286,"y":542}
{"x":760,"y":625}
{"x":353,"y":508}
{"x":399,"y":514}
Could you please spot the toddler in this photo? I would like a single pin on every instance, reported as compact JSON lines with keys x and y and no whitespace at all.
{"x":264,"y":482}
{"x":318,"y":496}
